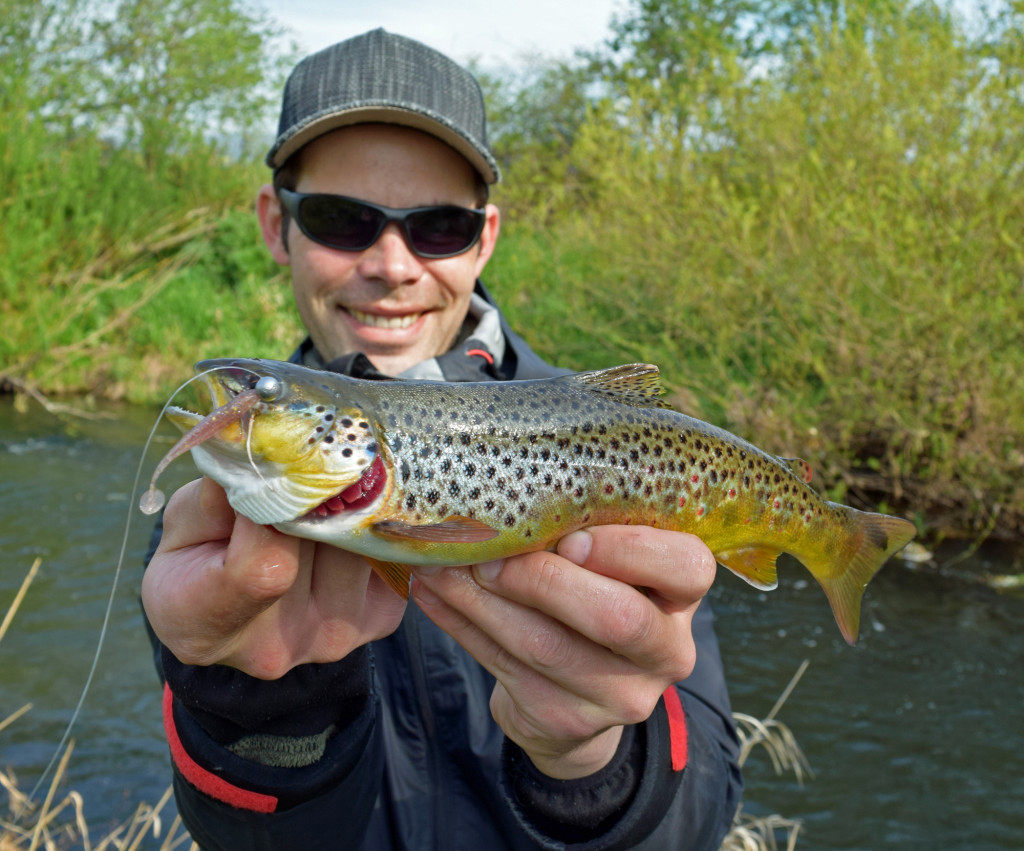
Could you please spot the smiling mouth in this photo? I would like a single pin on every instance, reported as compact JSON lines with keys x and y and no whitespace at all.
{"x":389,"y":322}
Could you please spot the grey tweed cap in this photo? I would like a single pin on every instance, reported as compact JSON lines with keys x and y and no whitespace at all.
{"x":383,"y":77}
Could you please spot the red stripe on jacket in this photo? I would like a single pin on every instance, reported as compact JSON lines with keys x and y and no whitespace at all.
{"x":205,"y":781}
{"x":676,"y":728}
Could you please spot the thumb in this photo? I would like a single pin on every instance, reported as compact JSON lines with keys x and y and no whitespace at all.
{"x":213,"y":574}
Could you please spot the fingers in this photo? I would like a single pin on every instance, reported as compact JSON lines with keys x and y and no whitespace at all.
{"x":591,"y":585}
{"x":213,"y":573}
{"x":222,"y":589}
{"x":581,"y":640}
{"x":678,"y":567}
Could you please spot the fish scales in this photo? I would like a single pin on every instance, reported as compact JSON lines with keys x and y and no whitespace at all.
{"x":525,"y":468}
{"x":409,"y":473}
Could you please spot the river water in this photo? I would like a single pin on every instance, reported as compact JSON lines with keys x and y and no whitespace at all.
{"x":915,"y":736}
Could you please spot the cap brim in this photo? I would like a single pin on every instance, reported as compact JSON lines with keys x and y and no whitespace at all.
{"x":378,"y":114}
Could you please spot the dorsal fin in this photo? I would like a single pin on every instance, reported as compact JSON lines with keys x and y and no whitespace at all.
{"x":637,"y":384}
{"x":799,"y":468}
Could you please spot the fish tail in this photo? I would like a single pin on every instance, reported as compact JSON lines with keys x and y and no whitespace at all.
{"x":871,"y":539}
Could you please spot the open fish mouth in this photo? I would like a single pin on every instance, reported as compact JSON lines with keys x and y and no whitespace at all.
{"x":284,"y":450}
{"x":361,"y":494}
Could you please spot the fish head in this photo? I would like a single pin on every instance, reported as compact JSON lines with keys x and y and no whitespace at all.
{"x":298,"y":447}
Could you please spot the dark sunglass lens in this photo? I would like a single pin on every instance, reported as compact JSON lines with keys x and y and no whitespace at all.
{"x":340,"y":222}
{"x":443,"y":231}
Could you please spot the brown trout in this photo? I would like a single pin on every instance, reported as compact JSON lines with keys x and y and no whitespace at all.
{"x":415,"y":472}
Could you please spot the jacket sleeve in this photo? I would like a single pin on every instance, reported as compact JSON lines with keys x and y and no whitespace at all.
{"x":675,"y":782}
{"x":272,"y":764}
{"x":230,"y":798}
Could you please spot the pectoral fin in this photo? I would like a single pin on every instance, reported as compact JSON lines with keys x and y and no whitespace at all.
{"x":754,"y":564}
{"x":395,"y":574}
{"x":451,"y":530}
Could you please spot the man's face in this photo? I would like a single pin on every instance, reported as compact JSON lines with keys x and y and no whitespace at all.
{"x":397,"y":308}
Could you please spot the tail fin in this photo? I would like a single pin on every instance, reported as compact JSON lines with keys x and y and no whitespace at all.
{"x":874,"y":538}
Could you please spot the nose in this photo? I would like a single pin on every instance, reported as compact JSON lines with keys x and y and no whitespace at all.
{"x":390,"y":259}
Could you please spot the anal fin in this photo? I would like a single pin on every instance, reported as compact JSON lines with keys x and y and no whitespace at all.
{"x":394,"y":573}
{"x":754,"y":564}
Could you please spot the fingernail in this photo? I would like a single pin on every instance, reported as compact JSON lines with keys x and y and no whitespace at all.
{"x":423,"y":594}
{"x":488,"y":571}
{"x":576,"y":546}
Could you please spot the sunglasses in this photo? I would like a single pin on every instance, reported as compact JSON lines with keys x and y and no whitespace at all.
{"x":352,"y":225}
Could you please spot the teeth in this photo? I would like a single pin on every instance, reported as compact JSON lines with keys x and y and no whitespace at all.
{"x":385,"y":321}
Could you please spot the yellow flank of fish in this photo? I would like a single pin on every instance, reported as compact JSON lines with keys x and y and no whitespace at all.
{"x":408,"y":472}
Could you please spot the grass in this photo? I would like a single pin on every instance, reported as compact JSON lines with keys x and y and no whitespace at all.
{"x":59,"y":821}
{"x":826,"y":260}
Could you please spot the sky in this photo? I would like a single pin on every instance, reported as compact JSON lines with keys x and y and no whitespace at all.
{"x":496,"y":34}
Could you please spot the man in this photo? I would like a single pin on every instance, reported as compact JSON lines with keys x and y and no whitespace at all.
{"x":519,"y":704}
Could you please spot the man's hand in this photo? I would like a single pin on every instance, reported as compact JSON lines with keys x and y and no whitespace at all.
{"x":221,"y":589}
{"x":582,"y":641}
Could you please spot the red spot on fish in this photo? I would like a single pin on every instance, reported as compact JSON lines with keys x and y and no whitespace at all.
{"x":695,"y":478}
{"x":700,"y":511}
{"x":609,"y":489}
{"x":682,"y":501}
{"x":732,"y":493}
{"x":776,"y":505}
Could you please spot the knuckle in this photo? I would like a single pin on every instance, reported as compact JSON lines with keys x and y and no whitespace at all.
{"x":550,"y":648}
{"x":533,"y":577}
{"x":270,"y":667}
{"x":266,"y":585}
{"x":685,"y":662}
{"x":505,"y":663}
{"x":637,"y":706}
{"x":629,"y":620}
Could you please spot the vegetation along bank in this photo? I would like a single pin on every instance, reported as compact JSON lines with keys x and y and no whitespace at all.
{"x":808,"y":214}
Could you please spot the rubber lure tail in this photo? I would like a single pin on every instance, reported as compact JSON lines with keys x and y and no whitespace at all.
{"x":153,"y":500}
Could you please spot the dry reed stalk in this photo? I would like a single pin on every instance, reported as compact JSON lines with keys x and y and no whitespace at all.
{"x":751,"y":833}
{"x":59,"y":825}
{"x":16,"y":602}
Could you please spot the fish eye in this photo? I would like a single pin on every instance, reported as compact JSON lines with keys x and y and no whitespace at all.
{"x":268,"y":388}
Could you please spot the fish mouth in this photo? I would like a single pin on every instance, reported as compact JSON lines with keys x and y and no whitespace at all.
{"x":354,"y":497}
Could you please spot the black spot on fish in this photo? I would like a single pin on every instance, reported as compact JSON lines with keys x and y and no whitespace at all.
{"x":433,"y":496}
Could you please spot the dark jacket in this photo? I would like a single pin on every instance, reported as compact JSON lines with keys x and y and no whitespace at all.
{"x":394,"y":747}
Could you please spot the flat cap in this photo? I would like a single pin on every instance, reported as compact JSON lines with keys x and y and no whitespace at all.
{"x":387,"y":78}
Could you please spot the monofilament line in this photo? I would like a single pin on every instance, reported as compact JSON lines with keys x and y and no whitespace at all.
{"x":110,"y":600}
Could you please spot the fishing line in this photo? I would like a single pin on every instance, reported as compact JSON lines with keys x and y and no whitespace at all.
{"x":113,"y":589}
{"x":252,"y":463}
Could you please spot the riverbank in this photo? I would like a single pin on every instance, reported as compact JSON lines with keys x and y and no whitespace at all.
{"x":885,"y":394}
{"x":824,"y":258}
